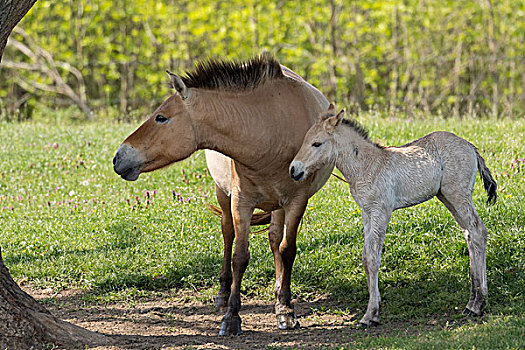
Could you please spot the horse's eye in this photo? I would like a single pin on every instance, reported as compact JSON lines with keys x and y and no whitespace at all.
{"x":159,"y":118}
{"x":317,"y":144}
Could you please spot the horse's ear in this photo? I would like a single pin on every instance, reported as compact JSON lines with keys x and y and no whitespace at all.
{"x":331,"y":123}
{"x":340,"y":115}
{"x":330,"y":112}
{"x":178,"y":85}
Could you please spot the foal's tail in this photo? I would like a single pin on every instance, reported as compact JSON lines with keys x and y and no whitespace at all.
{"x":488,"y":182}
{"x":258,"y":219}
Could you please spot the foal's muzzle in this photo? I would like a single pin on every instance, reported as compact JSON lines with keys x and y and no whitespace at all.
{"x":127,"y":163}
{"x":297,"y":171}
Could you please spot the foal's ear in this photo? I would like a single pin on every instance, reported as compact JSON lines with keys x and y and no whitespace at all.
{"x":332,"y":123}
{"x":340,"y":116}
{"x":178,"y":85}
{"x":330,"y":112}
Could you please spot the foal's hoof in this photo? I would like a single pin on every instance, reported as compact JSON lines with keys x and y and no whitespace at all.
{"x":221,"y":301}
{"x":231,"y":325}
{"x":470,"y":313}
{"x":370,"y":324}
{"x":288,"y":321}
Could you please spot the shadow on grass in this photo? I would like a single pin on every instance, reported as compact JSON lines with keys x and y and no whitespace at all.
{"x":195,"y":273}
{"x":413,"y":292}
{"x":125,"y":236}
{"x":408,"y":292}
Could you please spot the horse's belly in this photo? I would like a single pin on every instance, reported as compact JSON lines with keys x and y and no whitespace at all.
{"x":220,"y":169}
{"x":219,"y":166}
{"x":418,"y":188}
{"x":408,"y":201}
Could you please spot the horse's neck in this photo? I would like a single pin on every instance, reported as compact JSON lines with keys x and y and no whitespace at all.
{"x":231,"y":123}
{"x":357,"y":157}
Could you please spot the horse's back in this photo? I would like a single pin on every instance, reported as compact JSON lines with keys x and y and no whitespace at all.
{"x":417,"y":169}
{"x":458,"y":159}
{"x":314,"y":100}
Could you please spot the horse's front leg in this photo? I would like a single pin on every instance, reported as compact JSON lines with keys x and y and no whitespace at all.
{"x":284,"y":310}
{"x":225,"y":278}
{"x":241,"y":213}
{"x":375,"y":223}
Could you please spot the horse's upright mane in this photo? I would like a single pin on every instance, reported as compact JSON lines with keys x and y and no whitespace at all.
{"x":354,"y":124}
{"x":232,"y":75}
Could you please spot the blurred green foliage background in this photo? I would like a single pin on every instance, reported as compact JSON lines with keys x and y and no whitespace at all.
{"x":413,"y":58}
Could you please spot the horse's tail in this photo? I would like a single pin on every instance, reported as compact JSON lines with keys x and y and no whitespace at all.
{"x":488,"y":182}
{"x":258,"y":219}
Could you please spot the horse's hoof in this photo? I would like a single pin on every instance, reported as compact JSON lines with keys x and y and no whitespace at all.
{"x":288,"y":321}
{"x":370,"y":324}
{"x":221,"y":301}
{"x":230,"y":326}
{"x":470,"y":313}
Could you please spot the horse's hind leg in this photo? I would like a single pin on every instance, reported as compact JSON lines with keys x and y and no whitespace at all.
{"x":225,"y":278}
{"x":460,"y":205}
{"x":275,"y":236}
{"x":375,"y":223}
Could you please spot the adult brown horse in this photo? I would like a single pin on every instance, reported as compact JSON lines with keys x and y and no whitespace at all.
{"x":254,"y":115}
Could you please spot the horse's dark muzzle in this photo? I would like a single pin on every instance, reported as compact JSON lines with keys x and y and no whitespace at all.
{"x":126,"y":164}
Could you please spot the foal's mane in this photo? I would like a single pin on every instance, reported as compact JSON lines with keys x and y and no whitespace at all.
{"x":233,"y":75}
{"x":360,"y":129}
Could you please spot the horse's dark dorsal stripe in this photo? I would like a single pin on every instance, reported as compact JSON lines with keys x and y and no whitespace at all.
{"x":360,"y":130}
{"x":216,"y":74}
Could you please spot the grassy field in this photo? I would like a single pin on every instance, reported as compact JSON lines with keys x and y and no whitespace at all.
{"x":69,"y":222}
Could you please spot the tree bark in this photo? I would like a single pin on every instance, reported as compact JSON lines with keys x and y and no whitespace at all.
{"x":24,"y":323}
{"x":11,"y":12}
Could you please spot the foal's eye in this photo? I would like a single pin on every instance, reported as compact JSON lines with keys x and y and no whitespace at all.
{"x":160,"y":119}
{"x":317,"y":144}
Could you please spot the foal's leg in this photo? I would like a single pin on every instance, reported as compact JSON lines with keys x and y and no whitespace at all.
{"x":475,"y":233}
{"x":241,"y":213}
{"x":275,"y":236}
{"x":287,"y":249}
{"x":375,"y":223}
{"x":225,"y":278}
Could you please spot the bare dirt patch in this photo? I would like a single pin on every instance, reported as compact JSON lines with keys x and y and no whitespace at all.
{"x":182,"y":322}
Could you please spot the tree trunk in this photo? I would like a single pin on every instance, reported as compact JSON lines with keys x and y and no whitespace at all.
{"x":24,"y":323}
{"x":11,"y":12}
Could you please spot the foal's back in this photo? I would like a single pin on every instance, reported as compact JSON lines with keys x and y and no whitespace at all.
{"x":421,"y":168}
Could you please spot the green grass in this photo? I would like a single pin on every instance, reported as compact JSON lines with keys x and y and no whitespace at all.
{"x":69,"y":222}
{"x":502,"y":332}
